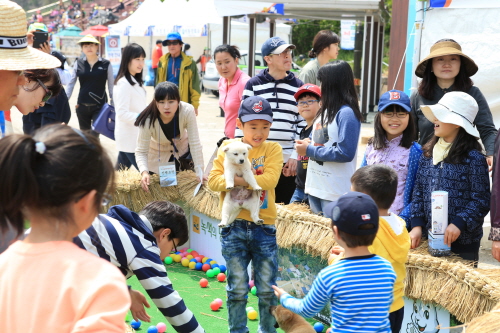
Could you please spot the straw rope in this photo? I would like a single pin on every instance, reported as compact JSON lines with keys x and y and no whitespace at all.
{"x":465,"y":292}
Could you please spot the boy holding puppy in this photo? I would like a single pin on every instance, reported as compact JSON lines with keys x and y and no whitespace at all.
{"x":243,"y":240}
{"x":359,"y":286}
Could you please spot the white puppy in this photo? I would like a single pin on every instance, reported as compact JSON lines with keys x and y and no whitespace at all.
{"x":236,"y":163}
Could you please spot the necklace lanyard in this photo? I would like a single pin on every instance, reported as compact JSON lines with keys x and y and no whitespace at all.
{"x":173,"y":143}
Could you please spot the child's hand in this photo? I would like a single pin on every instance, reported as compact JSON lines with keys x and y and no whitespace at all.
{"x":415,"y":236}
{"x":278,"y":292}
{"x":301,"y":146}
{"x":451,"y":234}
{"x":335,"y":253}
{"x":137,"y":308}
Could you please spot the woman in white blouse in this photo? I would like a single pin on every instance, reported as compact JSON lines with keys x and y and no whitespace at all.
{"x":168,"y":133}
{"x":130,"y":100}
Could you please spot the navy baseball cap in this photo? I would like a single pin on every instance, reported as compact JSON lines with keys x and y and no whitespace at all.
{"x":352,"y":210}
{"x":396,"y":97}
{"x":172,"y":36}
{"x":275,"y":45}
{"x":255,"y":107}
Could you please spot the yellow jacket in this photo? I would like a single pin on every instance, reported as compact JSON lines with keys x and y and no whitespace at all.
{"x":267,"y":160}
{"x":189,"y":81}
{"x":393,"y":248}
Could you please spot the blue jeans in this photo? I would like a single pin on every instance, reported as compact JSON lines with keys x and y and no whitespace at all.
{"x":299,"y":196}
{"x":317,"y":205}
{"x":242,"y":242}
{"x":126,"y":160}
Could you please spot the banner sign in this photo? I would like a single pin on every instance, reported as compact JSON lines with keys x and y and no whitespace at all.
{"x":465,"y":4}
{"x":347,"y":34}
{"x":113,"y":52}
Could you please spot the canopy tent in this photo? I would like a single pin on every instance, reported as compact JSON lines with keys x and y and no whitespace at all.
{"x":478,"y":34}
{"x":96,"y":31}
{"x":72,"y":31}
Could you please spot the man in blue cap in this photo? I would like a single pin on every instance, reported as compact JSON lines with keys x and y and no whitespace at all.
{"x":179,"y":68}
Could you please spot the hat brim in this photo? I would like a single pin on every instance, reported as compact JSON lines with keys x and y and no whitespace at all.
{"x":88,"y":40}
{"x":27,"y":58}
{"x":442,"y":114}
{"x":282,"y":48}
{"x":403,"y":105}
{"x":164,"y":43}
{"x":250,"y":117}
{"x":470,"y":66}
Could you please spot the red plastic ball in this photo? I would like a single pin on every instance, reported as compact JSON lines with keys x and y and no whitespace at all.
{"x":221,"y":277}
{"x":214,"y":306}
{"x":203,"y":283}
{"x":205,"y":267}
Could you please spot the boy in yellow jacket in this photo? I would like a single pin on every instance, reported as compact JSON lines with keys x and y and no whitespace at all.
{"x":243,"y":240}
{"x":392,"y":241}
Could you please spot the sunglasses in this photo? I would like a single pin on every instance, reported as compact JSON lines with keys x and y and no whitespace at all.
{"x":48,"y":93}
{"x":174,"y":42}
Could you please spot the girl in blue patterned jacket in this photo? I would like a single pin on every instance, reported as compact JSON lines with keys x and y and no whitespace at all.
{"x":453,"y":162}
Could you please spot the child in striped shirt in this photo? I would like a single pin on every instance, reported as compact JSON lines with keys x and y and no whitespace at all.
{"x":359,"y":287}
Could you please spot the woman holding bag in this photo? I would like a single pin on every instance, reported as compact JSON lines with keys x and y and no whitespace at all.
{"x":130,"y":101}
{"x":168,"y":135}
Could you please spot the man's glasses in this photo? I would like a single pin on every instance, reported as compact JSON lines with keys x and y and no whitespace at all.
{"x":173,"y":42}
{"x":306,"y":103}
{"x":175,"y":247}
{"x":391,"y":114}
{"x":48,"y":93}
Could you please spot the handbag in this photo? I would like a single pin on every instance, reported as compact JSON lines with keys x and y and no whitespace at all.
{"x":105,"y":122}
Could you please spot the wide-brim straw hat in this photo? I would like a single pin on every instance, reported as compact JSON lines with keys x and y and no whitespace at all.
{"x":447,"y":48}
{"x":15,"y":54}
{"x":88,"y":39}
{"x":456,"y":108}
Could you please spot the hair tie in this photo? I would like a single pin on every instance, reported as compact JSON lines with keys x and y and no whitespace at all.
{"x":40,"y":147}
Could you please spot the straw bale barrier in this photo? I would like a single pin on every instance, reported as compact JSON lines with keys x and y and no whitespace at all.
{"x":465,"y":292}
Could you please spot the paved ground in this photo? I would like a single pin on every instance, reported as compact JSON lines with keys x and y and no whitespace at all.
{"x":211,"y":129}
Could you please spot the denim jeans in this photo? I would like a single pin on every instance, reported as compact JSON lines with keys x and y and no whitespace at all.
{"x":126,"y":160}
{"x":317,"y":205}
{"x":242,"y":242}
{"x":299,"y":196}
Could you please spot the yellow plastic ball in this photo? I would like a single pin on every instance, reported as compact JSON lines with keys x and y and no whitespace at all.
{"x":189,"y":257}
{"x":172,"y":255}
{"x":192,"y":265}
{"x":204,"y":259}
{"x":212,"y":262}
{"x":177,"y":258}
{"x":252,"y":315}
{"x":185,"y":262}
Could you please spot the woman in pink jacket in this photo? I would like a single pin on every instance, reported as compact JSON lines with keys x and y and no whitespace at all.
{"x":231,"y":84}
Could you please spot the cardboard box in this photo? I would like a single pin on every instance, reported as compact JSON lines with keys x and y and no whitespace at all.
{"x":439,"y":209}
{"x":437,"y":247}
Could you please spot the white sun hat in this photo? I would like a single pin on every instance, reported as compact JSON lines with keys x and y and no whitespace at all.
{"x":456,"y":108}
{"x":15,"y":54}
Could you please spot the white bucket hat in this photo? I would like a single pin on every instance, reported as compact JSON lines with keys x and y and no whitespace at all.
{"x":15,"y":54}
{"x":456,"y":108}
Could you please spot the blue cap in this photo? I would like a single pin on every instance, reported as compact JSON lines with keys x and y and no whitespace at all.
{"x":396,"y":97}
{"x":172,"y":36}
{"x":255,"y":107}
{"x":275,"y":45}
{"x":352,"y":210}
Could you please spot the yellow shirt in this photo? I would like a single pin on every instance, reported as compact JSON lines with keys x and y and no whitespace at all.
{"x":267,"y":160}
{"x":393,"y":248}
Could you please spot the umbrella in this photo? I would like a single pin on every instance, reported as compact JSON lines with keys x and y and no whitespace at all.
{"x":72,"y":31}
{"x":96,"y":31}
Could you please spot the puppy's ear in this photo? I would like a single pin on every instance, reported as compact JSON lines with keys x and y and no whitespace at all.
{"x":248,"y":146}
{"x":226,"y":149}
{"x":283,"y":314}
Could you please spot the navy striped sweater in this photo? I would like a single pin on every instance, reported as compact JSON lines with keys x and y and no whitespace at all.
{"x":287,"y":123}
{"x":124,"y":239}
{"x":360,"y":293}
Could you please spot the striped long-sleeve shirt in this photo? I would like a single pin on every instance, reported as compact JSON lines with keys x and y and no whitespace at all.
{"x":360,"y":291}
{"x":124,"y":239}
{"x":287,"y":123}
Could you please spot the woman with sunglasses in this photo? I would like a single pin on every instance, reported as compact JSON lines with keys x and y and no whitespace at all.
{"x":179,"y":68}
{"x":40,"y":85}
{"x":93,"y":72}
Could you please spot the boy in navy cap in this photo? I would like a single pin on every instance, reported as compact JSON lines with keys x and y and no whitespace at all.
{"x":244,"y":241}
{"x":359,"y":286}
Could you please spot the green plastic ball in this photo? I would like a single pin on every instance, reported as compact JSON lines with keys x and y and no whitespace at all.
{"x":216,"y":271}
{"x":254,"y":290}
{"x":168,"y":260}
{"x":189,"y":250}
{"x":210,"y":273}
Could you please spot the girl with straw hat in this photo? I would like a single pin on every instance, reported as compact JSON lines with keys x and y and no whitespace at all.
{"x":15,"y":54}
{"x":453,"y":162}
{"x":93,"y":72}
{"x":447,"y":69}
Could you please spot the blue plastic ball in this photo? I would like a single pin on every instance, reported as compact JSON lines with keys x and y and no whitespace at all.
{"x":319,"y":327}
{"x":198,"y":266}
{"x":135,"y":324}
{"x":194,"y":260}
{"x":222,"y":268}
{"x":215,"y":265}
{"x":152,"y":329}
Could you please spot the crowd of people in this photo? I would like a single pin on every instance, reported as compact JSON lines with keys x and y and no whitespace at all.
{"x":303,"y":131}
